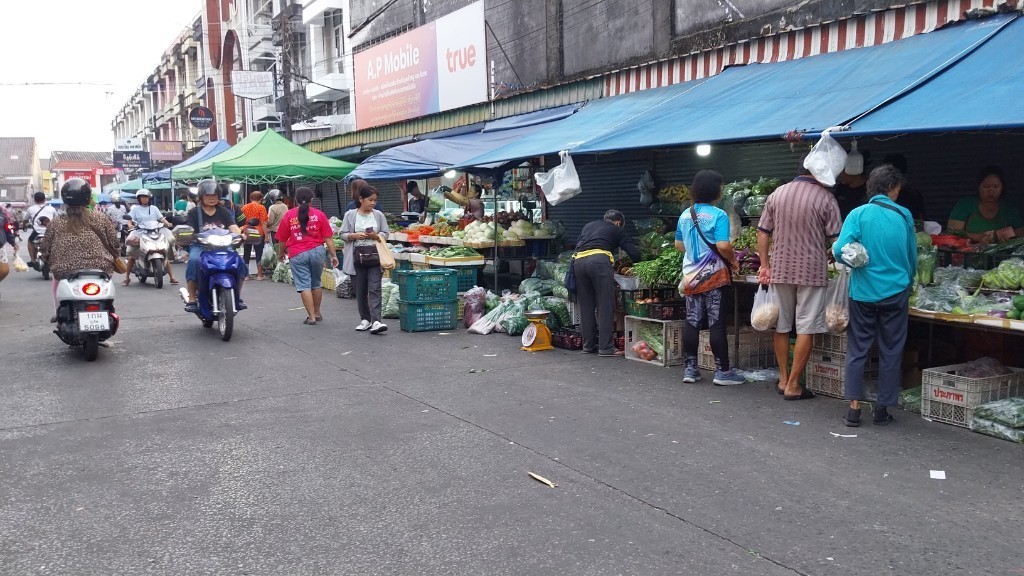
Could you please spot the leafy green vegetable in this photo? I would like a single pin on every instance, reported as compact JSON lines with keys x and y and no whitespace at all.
{"x":662,"y":271}
{"x":652,"y":333}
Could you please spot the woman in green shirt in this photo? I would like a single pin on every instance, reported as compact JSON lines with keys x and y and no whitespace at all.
{"x":984,"y":218}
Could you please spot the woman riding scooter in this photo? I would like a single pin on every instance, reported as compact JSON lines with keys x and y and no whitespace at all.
{"x":80,"y":239}
{"x":144,"y":211}
{"x":209,"y":214}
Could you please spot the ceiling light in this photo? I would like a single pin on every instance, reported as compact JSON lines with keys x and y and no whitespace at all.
{"x":703,"y":149}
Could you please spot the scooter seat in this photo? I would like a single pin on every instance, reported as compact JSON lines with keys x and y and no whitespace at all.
{"x":79,"y":273}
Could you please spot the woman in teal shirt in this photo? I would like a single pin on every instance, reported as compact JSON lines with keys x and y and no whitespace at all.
{"x":984,"y":218}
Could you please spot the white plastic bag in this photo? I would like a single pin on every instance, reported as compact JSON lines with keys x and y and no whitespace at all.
{"x":837,"y":302}
{"x":561,"y":182}
{"x":647,"y":188}
{"x":855,"y":255}
{"x":764,"y":314}
{"x":826,"y":160}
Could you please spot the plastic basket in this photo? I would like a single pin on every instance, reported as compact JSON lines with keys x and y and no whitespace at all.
{"x":427,"y":316}
{"x":567,"y":339}
{"x":461,"y":303}
{"x":948,"y":397}
{"x":537,"y":248}
{"x":829,"y":378}
{"x":671,"y":335}
{"x":636,"y":309}
{"x":662,"y":294}
{"x":669,"y":310}
{"x":327,"y":280}
{"x":465,"y":276}
{"x":433,"y":285}
{"x":830,"y":343}
{"x":757,"y":350}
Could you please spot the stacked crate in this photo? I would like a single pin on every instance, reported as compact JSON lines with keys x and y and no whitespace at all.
{"x":826,"y":368}
{"x":427,"y":299}
{"x":757,"y":350}
{"x":948,"y":396}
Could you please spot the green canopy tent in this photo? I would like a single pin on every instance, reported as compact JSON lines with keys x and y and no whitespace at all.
{"x":266,"y":157}
{"x":136,"y":184}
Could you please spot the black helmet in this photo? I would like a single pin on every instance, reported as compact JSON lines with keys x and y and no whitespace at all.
{"x":76,"y":192}
{"x":207,"y":186}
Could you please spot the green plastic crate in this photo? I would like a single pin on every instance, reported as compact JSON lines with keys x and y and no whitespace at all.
{"x":429,"y":316}
{"x":433,"y":285}
{"x":465,"y":277}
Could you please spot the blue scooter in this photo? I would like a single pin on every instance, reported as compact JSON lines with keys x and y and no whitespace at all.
{"x":220,"y":272}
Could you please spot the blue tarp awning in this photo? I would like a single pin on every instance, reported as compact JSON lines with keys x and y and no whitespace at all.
{"x":209,"y":151}
{"x":432,"y":157}
{"x":981,"y":91}
{"x":760,"y":101}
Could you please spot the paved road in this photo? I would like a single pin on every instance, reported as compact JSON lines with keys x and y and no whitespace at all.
{"x":319,"y":450}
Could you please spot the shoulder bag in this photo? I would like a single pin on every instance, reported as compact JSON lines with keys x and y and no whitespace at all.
{"x":710,"y":272}
{"x":119,"y":265}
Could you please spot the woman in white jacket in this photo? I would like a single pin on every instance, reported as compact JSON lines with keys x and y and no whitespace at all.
{"x":360,"y":229}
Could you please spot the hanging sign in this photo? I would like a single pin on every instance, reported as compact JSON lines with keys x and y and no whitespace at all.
{"x":201,"y":117}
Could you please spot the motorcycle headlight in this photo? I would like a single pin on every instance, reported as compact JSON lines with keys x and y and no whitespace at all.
{"x":219,"y":241}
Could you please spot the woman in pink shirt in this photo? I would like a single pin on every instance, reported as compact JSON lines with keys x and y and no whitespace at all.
{"x":303,"y":233}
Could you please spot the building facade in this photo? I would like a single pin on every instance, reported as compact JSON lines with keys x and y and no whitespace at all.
{"x":19,"y":170}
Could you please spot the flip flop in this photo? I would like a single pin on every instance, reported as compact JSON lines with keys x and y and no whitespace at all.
{"x":175,"y":282}
{"x":804,"y":395}
{"x":127,"y":282}
{"x":309,"y":322}
{"x":319,"y":318}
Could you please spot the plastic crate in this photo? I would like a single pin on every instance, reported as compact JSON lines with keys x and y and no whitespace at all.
{"x":976,"y":260}
{"x":461,"y":304}
{"x":327,"y":280}
{"x":537,"y":248}
{"x":427,"y":316}
{"x":948,"y":397}
{"x":757,"y":350}
{"x":567,"y":339}
{"x":636,"y":309}
{"x":826,"y":342}
{"x":465,"y":276}
{"x":829,"y":378}
{"x":434,"y":285}
{"x":662,"y":294}
{"x":668,"y":310}
{"x":671,"y":335}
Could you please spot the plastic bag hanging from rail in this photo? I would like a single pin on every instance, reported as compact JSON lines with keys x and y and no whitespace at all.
{"x":826,"y":160}
{"x":561,"y":182}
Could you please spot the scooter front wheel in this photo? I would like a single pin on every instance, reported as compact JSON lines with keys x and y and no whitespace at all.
{"x":158,"y":275}
{"x":226,"y":316}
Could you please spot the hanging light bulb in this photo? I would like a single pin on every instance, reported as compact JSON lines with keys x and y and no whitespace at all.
{"x":703,"y":149}
{"x":854,"y":160}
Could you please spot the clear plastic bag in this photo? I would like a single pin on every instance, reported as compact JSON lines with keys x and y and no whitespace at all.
{"x":345,"y":286}
{"x":561,"y":182}
{"x":388,"y":299}
{"x":476,"y":305}
{"x":1008,"y":412}
{"x":837,"y":302}
{"x":826,"y":160}
{"x":19,"y":264}
{"x":764,"y":314}
{"x":855,"y":255}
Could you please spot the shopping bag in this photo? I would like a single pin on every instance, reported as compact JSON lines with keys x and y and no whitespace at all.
{"x":826,"y":160}
{"x":561,"y":182}
{"x":837,"y":302}
{"x":19,"y":265}
{"x":764,"y":314}
{"x":709,"y":272}
{"x":570,"y":276}
{"x":387,"y":259}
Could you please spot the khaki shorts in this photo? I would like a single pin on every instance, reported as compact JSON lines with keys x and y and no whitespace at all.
{"x":803,"y":306}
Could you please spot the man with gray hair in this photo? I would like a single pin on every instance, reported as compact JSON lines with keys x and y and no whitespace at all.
{"x":595,"y":279}
{"x":879,"y":291}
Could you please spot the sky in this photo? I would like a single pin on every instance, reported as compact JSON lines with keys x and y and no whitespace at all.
{"x":102,"y":49}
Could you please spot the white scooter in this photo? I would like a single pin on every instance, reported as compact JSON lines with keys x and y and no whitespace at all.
{"x":85,"y":310}
{"x":152,"y":252}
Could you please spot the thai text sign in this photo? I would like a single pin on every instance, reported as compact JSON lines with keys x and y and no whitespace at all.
{"x":252,"y":84}
{"x":436,"y":67}
{"x":165,"y":151}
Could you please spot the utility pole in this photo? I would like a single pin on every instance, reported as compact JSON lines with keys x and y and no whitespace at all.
{"x":286,"y":69}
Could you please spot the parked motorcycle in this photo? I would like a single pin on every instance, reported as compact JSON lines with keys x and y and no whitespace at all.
{"x":40,"y":262}
{"x":85,"y":311}
{"x":220,"y":272}
{"x":152,"y":252}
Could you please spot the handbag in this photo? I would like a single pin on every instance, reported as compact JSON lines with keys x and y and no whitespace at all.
{"x":366,"y":256}
{"x":710,"y":272}
{"x":570,"y":276}
{"x":384,"y":255}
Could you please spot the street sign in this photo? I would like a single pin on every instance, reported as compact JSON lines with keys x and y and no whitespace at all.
{"x":201,"y":117}
{"x":129,"y":145}
{"x":131,"y":160}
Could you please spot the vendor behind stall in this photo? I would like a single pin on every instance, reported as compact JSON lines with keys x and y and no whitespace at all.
{"x":595,"y":278}
{"x":417,"y":201}
{"x":986,"y":218}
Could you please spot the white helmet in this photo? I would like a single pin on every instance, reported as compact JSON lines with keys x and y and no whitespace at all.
{"x":115,"y":196}
{"x":143,"y":192}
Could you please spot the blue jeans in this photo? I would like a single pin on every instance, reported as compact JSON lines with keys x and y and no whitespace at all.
{"x":307,"y":268}
{"x":886,"y":322}
{"x":192,"y":268}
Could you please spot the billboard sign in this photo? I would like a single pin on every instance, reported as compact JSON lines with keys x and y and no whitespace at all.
{"x":87,"y":175}
{"x":131,"y":160}
{"x":129,"y":145}
{"x":433,"y":68}
{"x":165,"y":151}
{"x":252,"y":84}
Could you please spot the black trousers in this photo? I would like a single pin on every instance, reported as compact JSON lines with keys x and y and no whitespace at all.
{"x":595,"y":293}
{"x":247,"y":250}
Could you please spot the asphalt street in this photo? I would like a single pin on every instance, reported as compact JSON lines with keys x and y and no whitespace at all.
{"x":295,"y":450}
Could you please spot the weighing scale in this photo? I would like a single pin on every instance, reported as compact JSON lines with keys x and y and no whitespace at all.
{"x":537,"y":337}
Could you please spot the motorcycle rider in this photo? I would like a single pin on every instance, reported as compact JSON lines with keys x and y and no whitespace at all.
{"x":144,"y":211}
{"x":38,"y":217}
{"x":116,"y":211}
{"x":209,"y":214}
{"x":80,"y":239}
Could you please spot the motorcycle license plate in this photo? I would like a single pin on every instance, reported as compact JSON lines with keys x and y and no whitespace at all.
{"x":93,"y":321}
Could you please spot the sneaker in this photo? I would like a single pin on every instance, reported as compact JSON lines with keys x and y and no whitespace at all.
{"x":363,"y":326}
{"x":728,"y":378}
{"x":378,"y":327}
{"x":882,"y":416}
{"x":192,"y":307}
{"x":852,"y":417}
{"x":241,"y":305}
{"x":691,"y":374}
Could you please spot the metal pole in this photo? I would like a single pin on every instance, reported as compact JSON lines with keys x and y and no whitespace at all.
{"x":286,"y":65}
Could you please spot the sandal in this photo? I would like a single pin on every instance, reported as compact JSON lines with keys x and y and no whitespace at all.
{"x":309,"y":322}
{"x":127,"y":281}
{"x":175,"y":282}
{"x":805,"y":394}
{"x":319,"y":318}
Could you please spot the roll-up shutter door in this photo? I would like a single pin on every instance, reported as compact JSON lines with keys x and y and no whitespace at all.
{"x":331,"y":196}
{"x":389,"y":196}
{"x":608,"y":181}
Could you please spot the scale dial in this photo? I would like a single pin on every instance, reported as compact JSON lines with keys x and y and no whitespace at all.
{"x":529,"y":335}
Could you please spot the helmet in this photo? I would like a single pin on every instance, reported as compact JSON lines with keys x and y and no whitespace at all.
{"x":207,"y":187}
{"x":143,"y":192}
{"x":76,"y":192}
{"x":274,"y":194}
{"x":115,"y":196}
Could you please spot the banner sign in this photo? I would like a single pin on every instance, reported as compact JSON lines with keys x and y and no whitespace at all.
{"x":252,"y":84}
{"x":129,"y":145}
{"x":87,"y":175}
{"x":165,"y":151}
{"x":131,"y":160}
{"x":433,"y":68}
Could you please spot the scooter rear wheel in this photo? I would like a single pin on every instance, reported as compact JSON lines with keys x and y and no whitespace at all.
{"x":226,"y":317}
{"x":46,"y":271}
{"x":91,"y":348}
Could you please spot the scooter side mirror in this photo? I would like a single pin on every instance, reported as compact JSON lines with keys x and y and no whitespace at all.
{"x":126,"y":217}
